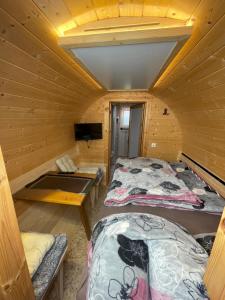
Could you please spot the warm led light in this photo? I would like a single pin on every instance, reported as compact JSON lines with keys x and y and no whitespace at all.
{"x":170,"y":66}
{"x":66,"y":26}
{"x":190,"y":22}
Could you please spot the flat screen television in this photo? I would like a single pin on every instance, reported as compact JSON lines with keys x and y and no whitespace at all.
{"x":88,"y":131}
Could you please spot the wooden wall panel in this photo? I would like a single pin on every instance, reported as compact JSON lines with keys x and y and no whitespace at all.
{"x":159,"y":129}
{"x":214,"y":274}
{"x":193,"y":86}
{"x":42,"y":90}
{"x":15,"y":281}
{"x":26,"y":15}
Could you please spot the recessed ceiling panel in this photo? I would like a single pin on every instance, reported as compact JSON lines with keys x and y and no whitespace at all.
{"x":125,"y":67}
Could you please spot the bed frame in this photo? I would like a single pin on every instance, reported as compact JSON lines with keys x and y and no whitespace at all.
{"x":212,"y":180}
{"x":214,"y":277}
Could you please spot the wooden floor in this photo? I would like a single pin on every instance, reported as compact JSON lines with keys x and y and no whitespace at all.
{"x":53,"y":218}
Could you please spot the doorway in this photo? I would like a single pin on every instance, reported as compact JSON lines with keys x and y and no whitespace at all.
{"x":126,"y":131}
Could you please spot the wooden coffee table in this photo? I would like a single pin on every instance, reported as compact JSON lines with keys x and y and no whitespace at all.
{"x":58,"y":189}
{"x":97,"y":177}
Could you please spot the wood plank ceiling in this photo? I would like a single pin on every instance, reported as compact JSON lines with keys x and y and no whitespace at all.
{"x":193,"y":84}
{"x":78,"y":12}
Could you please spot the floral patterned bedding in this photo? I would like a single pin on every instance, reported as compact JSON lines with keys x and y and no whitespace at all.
{"x":142,"y":256}
{"x":207,"y":200}
{"x":211,"y":201}
{"x":145,"y":162}
{"x":145,"y":181}
{"x":206,"y":240}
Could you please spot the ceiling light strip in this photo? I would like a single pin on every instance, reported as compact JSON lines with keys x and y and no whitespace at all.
{"x":121,"y":26}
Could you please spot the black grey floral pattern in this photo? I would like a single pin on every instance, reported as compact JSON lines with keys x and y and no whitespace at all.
{"x":156,"y":166}
{"x":207,"y":242}
{"x":97,"y":230}
{"x":169,"y":186}
{"x":115,"y":184}
{"x":147,"y":223}
{"x":133,"y":252}
{"x":209,"y":189}
{"x":200,"y":206}
{"x":118,"y":165}
{"x":125,"y":290}
{"x":123,"y":264}
{"x":196,"y":289}
{"x":148,"y":183}
{"x":135,"y":171}
{"x":211,"y":201}
{"x":138,"y":191}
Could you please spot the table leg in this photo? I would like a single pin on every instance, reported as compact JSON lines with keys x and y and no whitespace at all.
{"x":84,"y":221}
{"x":96,"y":192}
{"x":92,"y":196}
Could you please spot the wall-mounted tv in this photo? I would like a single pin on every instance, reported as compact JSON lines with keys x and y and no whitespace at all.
{"x":88,"y":131}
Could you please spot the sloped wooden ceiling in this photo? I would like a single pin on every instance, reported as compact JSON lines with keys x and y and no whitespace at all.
{"x":193,"y":84}
{"x":78,"y":12}
{"x":43,"y":91}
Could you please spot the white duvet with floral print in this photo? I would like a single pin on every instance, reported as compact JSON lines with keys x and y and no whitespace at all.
{"x":142,"y":256}
{"x":146,"y":181}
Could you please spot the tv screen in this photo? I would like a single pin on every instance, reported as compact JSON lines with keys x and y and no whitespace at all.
{"x":88,"y":131}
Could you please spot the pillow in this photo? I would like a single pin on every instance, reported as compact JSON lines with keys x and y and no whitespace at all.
{"x":65,"y":164}
{"x":36,"y":245}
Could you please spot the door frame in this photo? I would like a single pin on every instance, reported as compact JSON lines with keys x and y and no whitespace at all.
{"x":108,"y":130}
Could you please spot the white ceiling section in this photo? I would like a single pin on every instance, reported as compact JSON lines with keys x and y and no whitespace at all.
{"x":126,"y":67}
{"x":131,"y":58}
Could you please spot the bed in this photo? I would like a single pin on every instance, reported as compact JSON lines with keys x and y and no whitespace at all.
{"x":196,"y":219}
{"x":50,"y":269}
{"x":183,"y":236}
{"x":153,"y":182}
{"x":150,"y":258}
{"x":45,"y":254}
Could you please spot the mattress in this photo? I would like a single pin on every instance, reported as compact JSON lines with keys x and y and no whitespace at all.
{"x":48,"y":268}
{"x":36,"y":245}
